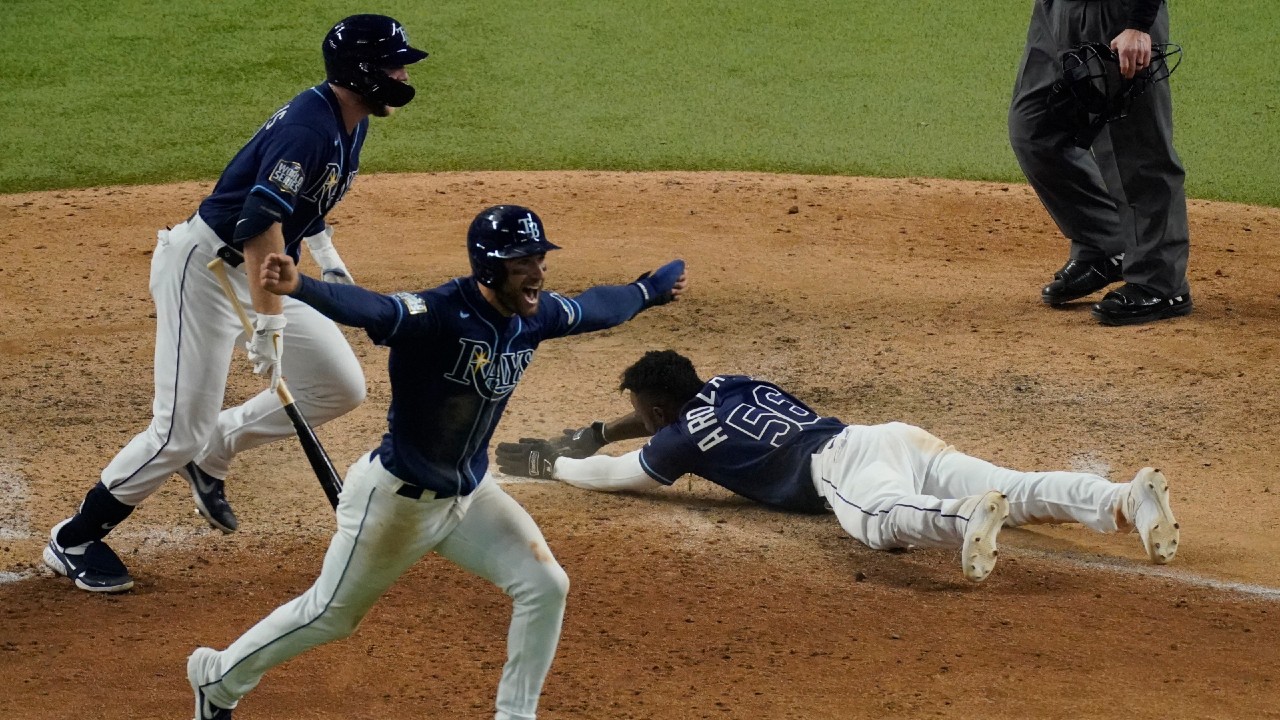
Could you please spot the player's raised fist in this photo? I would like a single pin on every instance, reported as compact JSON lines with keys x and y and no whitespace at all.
{"x":279,"y":274}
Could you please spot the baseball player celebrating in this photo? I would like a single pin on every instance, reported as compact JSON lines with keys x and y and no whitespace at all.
{"x":457,"y":353}
{"x":272,"y":196}
{"x":890,"y":486}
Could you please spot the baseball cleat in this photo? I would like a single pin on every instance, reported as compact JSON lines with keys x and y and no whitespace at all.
{"x":198,"y":666}
{"x":211,"y":498}
{"x":93,"y":566}
{"x":1147,"y":507}
{"x":986,"y":515}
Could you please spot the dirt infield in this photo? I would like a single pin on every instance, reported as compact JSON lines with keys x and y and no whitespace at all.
{"x":876,"y":300}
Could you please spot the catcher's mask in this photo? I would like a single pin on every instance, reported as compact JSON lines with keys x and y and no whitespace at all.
{"x":1091,"y":91}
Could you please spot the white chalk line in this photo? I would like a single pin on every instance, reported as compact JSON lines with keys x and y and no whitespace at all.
{"x":155,"y":537}
{"x":15,"y":521}
{"x":1123,"y":567}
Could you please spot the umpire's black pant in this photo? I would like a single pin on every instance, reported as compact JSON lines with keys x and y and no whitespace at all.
{"x":1125,"y":194}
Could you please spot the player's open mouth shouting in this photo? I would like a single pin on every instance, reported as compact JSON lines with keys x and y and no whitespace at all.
{"x":524,"y":284}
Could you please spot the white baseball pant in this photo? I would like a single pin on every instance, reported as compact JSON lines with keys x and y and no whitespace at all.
{"x":196,"y":333}
{"x":896,"y":485}
{"x":380,"y":535}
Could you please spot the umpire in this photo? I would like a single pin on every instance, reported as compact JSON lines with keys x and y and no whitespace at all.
{"x":1120,"y":202}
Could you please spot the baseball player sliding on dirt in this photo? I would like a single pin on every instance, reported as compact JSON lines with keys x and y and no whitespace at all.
{"x":457,"y":353}
{"x":272,"y":196}
{"x":890,"y":486}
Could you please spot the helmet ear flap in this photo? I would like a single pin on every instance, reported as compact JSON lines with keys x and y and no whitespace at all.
{"x":380,"y":87}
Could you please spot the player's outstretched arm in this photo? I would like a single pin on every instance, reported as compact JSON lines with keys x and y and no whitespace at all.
{"x":537,"y":459}
{"x":347,"y":304}
{"x":606,"y":306}
{"x":586,"y":441}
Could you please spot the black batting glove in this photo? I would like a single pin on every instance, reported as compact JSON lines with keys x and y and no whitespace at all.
{"x":582,"y":442}
{"x":531,"y":457}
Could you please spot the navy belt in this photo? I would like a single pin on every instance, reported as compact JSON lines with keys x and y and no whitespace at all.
{"x":230,"y":256}
{"x":415,"y":492}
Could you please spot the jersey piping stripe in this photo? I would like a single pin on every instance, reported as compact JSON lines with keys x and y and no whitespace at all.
{"x":267,"y":191}
{"x":577,"y":311}
{"x":462,"y":466}
{"x":889,"y":509}
{"x":177,"y":373}
{"x":654,"y":473}
{"x":399,"y":318}
{"x":346,"y":565}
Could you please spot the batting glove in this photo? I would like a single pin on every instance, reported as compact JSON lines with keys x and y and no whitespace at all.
{"x":266,"y":347}
{"x":530,"y":457}
{"x":656,"y":286}
{"x":332,"y":269}
{"x":582,"y":442}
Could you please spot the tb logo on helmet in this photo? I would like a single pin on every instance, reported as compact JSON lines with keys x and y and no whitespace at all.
{"x":530,"y":227}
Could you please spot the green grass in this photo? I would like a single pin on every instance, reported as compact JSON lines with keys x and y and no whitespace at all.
{"x":130,"y":91}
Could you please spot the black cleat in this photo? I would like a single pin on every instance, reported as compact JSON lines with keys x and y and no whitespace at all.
{"x":1133,"y":304}
{"x":1079,"y":278}
{"x":93,"y":565}
{"x":211,"y":498}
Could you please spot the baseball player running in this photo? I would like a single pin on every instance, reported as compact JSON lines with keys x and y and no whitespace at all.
{"x":272,"y":196}
{"x":890,"y":486}
{"x":457,"y":353}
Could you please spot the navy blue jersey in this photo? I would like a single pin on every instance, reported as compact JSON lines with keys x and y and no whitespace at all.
{"x":302,"y":160}
{"x":747,"y":436}
{"x":453,"y":364}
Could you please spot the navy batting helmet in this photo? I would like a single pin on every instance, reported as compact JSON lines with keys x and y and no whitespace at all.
{"x":357,"y":50}
{"x":503,"y":232}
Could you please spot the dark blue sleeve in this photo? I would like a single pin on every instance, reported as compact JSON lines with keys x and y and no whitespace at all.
{"x":668,"y":455}
{"x":293,"y":155}
{"x":384,"y":317}
{"x":596,"y":309}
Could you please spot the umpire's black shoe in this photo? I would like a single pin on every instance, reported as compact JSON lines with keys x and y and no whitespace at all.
{"x":1132,"y":304}
{"x":211,"y":498}
{"x":93,"y":566}
{"x":1079,"y":278}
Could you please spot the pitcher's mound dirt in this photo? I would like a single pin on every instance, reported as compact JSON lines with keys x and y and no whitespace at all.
{"x":876,"y":300}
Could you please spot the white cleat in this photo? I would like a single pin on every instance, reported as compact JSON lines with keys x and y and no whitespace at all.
{"x":202,"y":665}
{"x":986,"y":515}
{"x":1147,"y":508}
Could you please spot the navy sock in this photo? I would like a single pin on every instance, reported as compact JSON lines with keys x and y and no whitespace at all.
{"x":99,"y":513}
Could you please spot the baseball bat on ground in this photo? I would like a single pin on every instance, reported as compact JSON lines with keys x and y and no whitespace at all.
{"x":319,"y":459}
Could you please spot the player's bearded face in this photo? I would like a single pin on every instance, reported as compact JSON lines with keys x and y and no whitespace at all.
{"x":378,"y":109}
{"x":519,"y":293}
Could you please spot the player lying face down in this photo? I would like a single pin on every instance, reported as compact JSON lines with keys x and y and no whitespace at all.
{"x":890,"y":486}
